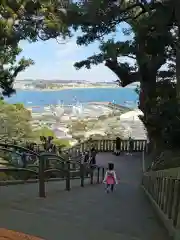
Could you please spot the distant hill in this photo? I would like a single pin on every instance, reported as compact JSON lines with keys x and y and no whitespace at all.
{"x":62,"y":81}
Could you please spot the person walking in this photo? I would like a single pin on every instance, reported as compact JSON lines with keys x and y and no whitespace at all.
{"x":110,"y":178}
{"x":93,"y":157}
{"x":86,"y":157}
{"x":131,"y":146}
{"x":24,"y":159}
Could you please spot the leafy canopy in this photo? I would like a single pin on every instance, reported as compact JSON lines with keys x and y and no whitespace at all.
{"x":26,"y":20}
{"x":151,"y":42}
{"x":149,"y":39}
{"x":14,"y":122}
{"x":46,"y":132}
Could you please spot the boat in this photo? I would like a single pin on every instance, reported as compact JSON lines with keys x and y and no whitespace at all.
{"x":35,"y":107}
{"x":47,"y":108}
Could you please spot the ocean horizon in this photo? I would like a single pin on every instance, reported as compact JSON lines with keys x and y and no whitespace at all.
{"x":122,"y":96}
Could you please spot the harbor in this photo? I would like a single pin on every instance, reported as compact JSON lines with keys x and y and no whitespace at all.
{"x":84,"y":120}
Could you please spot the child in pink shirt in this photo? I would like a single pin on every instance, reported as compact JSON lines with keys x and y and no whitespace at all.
{"x":110,"y":178}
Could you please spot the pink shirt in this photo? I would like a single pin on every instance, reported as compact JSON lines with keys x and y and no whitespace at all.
{"x":110,"y":177}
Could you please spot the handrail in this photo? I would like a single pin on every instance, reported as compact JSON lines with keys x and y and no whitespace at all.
{"x":5,"y":145}
{"x":49,"y":154}
{"x":9,"y":150}
{"x":74,"y":154}
{"x":163,"y":189}
{"x":67,"y":171}
{"x":43,"y":169}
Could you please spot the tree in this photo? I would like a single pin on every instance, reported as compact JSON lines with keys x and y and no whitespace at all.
{"x":46,"y":132}
{"x":150,"y":45}
{"x":14,"y":122}
{"x":61,"y":142}
{"x":26,"y":20}
{"x":10,"y":68}
{"x":164,"y":16}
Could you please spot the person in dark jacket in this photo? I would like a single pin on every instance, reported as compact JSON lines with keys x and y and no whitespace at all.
{"x":131,"y":146}
{"x":86,"y":157}
{"x":118,"y":146}
{"x":93,"y":157}
{"x":24,"y":160}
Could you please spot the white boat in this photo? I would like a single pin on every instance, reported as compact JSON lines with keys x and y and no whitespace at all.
{"x":47,"y":108}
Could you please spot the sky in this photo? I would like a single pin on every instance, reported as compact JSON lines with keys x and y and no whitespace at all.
{"x":55,"y":61}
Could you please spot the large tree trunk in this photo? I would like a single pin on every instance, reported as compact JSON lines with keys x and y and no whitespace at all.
{"x":178,"y":67}
{"x":177,"y":17}
{"x":147,"y":94}
{"x":148,"y":89}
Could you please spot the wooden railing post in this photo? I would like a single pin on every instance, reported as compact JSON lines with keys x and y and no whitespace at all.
{"x":175,"y":210}
{"x":82,"y":168}
{"x":165,"y":194}
{"x":103,"y":173}
{"x":143,"y":162}
{"x":63,"y":169}
{"x":177,"y":233}
{"x":168,"y":196}
{"x":162,"y":194}
{"x":163,"y":186}
{"x":160,"y":191}
{"x":68,"y":185}
{"x":91,"y":175}
{"x":106,"y":145}
{"x":171,"y":198}
{"x":176,"y":220}
{"x":98,"y":171}
{"x":42,"y":193}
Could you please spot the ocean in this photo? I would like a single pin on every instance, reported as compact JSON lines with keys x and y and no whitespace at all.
{"x":122,"y":96}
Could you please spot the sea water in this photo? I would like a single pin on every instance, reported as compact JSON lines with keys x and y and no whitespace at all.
{"x":122,"y":96}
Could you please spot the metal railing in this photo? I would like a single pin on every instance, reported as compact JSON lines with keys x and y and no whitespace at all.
{"x":50,"y":167}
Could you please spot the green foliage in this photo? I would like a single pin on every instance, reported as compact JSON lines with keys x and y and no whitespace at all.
{"x":61,"y":142}
{"x":31,"y":20}
{"x":46,"y":132}
{"x":10,"y":67}
{"x":150,"y":43}
{"x":163,"y":123}
{"x":26,"y":20}
{"x":14,"y":122}
{"x":19,"y":106}
{"x":137,"y":90}
{"x":5,"y":177}
{"x":150,"y":40}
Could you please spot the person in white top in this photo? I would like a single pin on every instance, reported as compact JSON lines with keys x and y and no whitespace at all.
{"x":110,"y":178}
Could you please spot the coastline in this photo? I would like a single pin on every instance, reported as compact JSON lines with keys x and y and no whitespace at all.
{"x":67,"y":88}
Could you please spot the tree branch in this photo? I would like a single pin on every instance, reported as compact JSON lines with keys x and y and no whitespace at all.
{"x":125,"y":77}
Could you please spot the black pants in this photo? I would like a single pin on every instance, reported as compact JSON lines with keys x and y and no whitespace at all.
{"x":110,"y":186}
{"x":93,"y":161}
{"x":117,"y":153}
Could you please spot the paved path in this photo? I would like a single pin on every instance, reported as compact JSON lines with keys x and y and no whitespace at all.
{"x":87,"y":213}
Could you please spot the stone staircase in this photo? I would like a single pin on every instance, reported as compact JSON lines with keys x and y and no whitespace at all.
{"x":84,"y":213}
